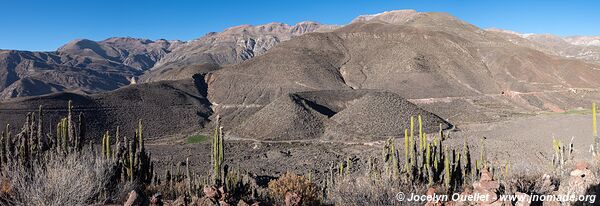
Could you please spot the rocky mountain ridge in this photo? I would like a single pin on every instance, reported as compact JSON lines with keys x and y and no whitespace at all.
{"x":88,"y":66}
{"x":376,"y":72}
{"x":585,"y":48}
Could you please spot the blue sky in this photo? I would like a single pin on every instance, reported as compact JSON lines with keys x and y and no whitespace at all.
{"x":45,"y":25}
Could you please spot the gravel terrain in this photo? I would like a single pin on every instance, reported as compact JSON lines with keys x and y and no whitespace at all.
{"x":524,"y":142}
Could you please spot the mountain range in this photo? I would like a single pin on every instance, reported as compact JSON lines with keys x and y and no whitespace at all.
{"x":310,"y":81}
{"x":88,"y":66}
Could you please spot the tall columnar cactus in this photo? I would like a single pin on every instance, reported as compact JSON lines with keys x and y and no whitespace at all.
{"x":217,"y":153}
{"x":422,"y":139}
{"x":412,"y":130}
{"x":395,"y":163}
{"x":130,"y":168}
{"x":81,"y":128}
{"x":428,"y":154}
{"x":188,"y":176}
{"x":118,"y":150}
{"x":482,"y":157}
{"x":65,"y":136}
{"x":40,"y":127}
{"x":467,"y":155}
{"x":107,"y":146}
{"x":70,"y":126}
{"x":103,"y":148}
{"x":441,"y":132}
{"x":420,"y":133}
{"x":140,"y":136}
{"x":447,"y":170}
{"x":406,"y":151}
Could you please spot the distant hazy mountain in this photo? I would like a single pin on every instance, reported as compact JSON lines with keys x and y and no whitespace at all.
{"x":80,"y":65}
{"x":88,"y":66}
{"x":231,"y":46}
{"x":586,"y":48}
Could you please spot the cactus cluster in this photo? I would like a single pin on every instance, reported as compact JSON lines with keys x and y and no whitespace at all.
{"x":562,"y":154}
{"x":32,"y":142}
{"x":425,"y":160}
{"x":130,"y":155}
{"x":428,"y":161}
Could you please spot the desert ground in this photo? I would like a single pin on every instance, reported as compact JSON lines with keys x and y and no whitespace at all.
{"x":523,"y":142}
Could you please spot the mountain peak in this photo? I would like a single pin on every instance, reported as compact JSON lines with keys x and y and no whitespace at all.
{"x":395,"y":16}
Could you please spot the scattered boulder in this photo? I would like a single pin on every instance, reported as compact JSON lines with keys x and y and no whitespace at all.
{"x":156,"y":200}
{"x":135,"y":199}
{"x":582,"y":165}
{"x":579,"y":181}
{"x":293,"y":199}
{"x":242,"y":203}
{"x":211,"y":192}
{"x":225,"y":196}
{"x":486,"y":187}
{"x":431,"y":193}
{"x":466,"y":192}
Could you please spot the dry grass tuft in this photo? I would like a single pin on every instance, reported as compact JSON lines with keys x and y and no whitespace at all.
{"x":366,"y":190}
{"x":75,"y":179}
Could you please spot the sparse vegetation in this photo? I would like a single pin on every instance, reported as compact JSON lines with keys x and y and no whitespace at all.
{"x":38,"y":169}
{"x":195,"y":139}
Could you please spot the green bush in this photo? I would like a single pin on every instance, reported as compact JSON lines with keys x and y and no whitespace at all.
{"x":196,"y":139}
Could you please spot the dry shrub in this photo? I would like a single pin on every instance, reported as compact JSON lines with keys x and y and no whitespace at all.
{"x":366,"y":190}
{"x":75,"y":179}
{"x":5,"y":187}
{"x":298,"y":184}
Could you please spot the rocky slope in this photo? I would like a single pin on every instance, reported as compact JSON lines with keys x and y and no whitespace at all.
{"x":443,"y":64}
{"x":231,"y":46}
{"x":365,"y":78}
{"x":80,"y":65}
{"x":168,"y":108}
{"x":346,"y":115}
{"x":88,"y":66}
{"x":585,"y":48}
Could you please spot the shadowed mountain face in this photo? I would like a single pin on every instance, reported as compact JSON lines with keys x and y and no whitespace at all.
{"x":365,"y":78}
{"x":80,"y":65}
{"x":231,"y":46}
{"x":167,"y":108}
